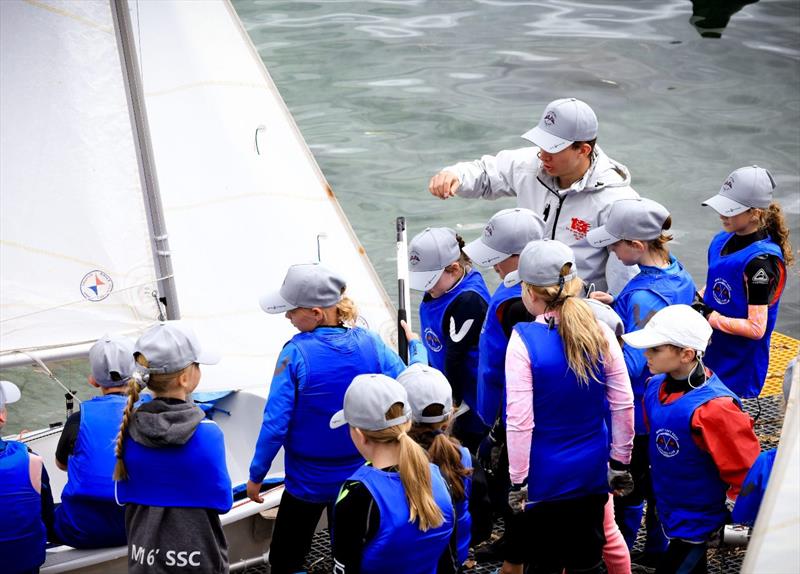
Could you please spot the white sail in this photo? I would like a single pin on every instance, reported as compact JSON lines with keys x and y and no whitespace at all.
{"x":75,"y":252}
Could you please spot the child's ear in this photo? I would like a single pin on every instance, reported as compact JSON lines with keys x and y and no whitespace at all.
{"x":93,"y":381}
{"x":688,"y":355}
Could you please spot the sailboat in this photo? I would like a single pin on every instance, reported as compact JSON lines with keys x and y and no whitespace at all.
{"x":150,"y":170}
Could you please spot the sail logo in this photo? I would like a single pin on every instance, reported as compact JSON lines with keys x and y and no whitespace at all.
{"x":721,"y":291}
{"x":667,"y":443}
{"x":432,"y":340}
{"x":96,"y":285}
{"x":550,"y":118}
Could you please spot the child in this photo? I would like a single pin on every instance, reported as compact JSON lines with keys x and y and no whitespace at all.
{"x":313,"y":372}
{"x":431,"y":409}
{"x":563,"y":372}
{"x":451,"y":313}
{"x":701,"y":443}
{"x":88,"y":516}
{"x":746,"y":275}
{"x":394,"y":515}
{"x":636,"y":231}
{"x":25,"y":498}
{"x":171,"y":468}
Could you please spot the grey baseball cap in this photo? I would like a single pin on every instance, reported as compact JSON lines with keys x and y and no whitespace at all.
{"x":307,"y":285}
{"x":745,"y":188}
{"x":428,"y":254}
{"x":638,"y":219}
{"x":427,"y":386}
{"x":368,"y":399}
{"x":9,"y":393}
{"x":540,"y":264}
{"x":171,"y":346}
{"x":607,"y":315}
{"x":677,"y":325}
{"x":111,"y":360}
{"x":506,"y":234}
{"x":563,"y":123}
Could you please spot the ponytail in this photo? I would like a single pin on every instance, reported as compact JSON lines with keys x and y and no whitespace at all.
{"x":464,"y":260}
{"x":773,"y":221}
{"x":658,"y":246}
{"x":120,"y":472}
{"x":346,"y":311}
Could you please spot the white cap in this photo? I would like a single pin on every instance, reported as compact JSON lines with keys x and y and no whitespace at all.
{"x":427,"y":386}
{"x":677,"y":325}
{"x":9,"y":393}
{"x":306,"y":285}
{"x":506,"y":234}
{"x":745,"y":188}
{"x":607,"y":315}
{"x":428,"y":255}
{"x":563,"y":123}
{"x":111,"y":360}
{"x":170,"y":347}
{"x":540,"y":264}
{"x":639,"y":219}
{"x":368,"y":399}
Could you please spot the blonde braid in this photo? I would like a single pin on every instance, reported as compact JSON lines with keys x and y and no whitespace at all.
{"x":120,"y":472}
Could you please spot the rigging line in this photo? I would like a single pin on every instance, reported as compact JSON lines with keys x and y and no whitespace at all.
{"x":137,"y":286}
{"x":50,"y":374}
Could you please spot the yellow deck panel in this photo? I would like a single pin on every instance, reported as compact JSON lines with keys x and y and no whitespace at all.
{"x":782,"y":350}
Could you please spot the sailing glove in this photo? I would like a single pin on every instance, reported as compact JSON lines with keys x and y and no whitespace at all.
{"x":620,"y":480}
{"x":700,"y":306}
{"x":518,"y":497}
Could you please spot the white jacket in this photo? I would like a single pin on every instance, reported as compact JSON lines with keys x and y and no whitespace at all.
{"x":568,"y":213}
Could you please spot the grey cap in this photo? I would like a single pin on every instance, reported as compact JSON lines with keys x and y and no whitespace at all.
{"x":171,"y":346}
{"x":427,"y":386}
{"x":368,"y":399}
{"x":607,"y":315}
{"x":428,"y":254}
{"x":506,"y":234}
{"x":111,"y":360}
{"x":677,"y":325}
{"x":9,"y":393}
{"x":540,"y":264}
{"x":307,"y":285}
{"x":563,"y":123}
{"x":638,"y":219}
{"x":745,"y":188}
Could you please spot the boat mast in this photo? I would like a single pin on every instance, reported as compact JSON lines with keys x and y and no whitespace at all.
{"x":167,"y":294}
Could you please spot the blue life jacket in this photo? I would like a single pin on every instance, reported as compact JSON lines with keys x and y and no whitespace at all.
{"x":88,"y":516}
{"x":569,"y":446}
{"x":463,"y":517}
{"x":689,"y":492}
{"x":492,"y":358}
{"x":22,"y":533}
{"x":318,"y":459}
{"x":753,"y":488}
{"x":672,"y":286}
{"x":436,"y":335}
{"x":192,"y":475}
{"x":399,"y":546}
{"x":740,"y":363}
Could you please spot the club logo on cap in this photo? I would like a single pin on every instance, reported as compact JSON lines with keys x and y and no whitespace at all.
{"x":728,"y":184}
{"x":667,"y":443}
{"x":96,"y":285}
{"x":721,"y":291}
{"x":488,"y":230}
{"x":550,"y":118}
{"x":432,"y":340}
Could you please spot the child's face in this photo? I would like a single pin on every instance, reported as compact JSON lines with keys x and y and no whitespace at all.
{"x":3,"y":414}
{"x":739,"y":223}
{"x":628,"y":252}
{"x":663,"y":359}
{"x":451,"y":275}
{"x":506,"y":266}
{"x":304,"y":320}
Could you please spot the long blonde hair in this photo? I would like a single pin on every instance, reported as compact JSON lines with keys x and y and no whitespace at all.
{"x":773,"y":221}
{"x":584,"y":342}
{"x":155,"y":382}
{"x":415,"y":472}
{"x":346,"y":311}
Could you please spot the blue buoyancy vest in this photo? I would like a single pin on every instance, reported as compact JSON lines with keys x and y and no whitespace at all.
{"x":671,"y":286}
{"x":569,"y":446}
{"x":753,"y":488}
{"x":689,"y":492}
{"x":436,"y":334}
{"x":463,"y":517}
{"x":740,"y":363}
{"x":492,"y":358}
{"x":22,"y":533}
{"x":399,"y":546}
{"x":192,"y":475}
{"x":318,"y":459}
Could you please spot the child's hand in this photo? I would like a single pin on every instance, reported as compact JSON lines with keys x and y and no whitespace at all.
{"x":254,"y":491}
{"x":601,"y":296}
{"x":410,"y":335}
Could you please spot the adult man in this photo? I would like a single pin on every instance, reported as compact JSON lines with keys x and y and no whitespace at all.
{"x":566,"y":179}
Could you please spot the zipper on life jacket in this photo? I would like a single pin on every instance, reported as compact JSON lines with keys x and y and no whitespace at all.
{"x":547,"y":208}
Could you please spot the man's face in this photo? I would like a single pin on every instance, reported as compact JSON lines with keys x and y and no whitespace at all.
{"x":565,"y":162}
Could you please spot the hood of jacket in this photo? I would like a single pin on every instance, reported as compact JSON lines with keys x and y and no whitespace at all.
{"x":603,"y":173}
{"x":159,"y":423}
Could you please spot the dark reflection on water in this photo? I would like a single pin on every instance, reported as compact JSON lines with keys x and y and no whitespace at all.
{"x":710,"y":17}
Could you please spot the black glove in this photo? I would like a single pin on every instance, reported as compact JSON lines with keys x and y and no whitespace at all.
{"x":490,"y":448}
{"x":700,"y":306}
{"x":620,"y":480}
{"x":518,"y":497}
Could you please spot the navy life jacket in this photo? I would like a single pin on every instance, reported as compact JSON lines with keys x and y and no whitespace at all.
{"x":192,"y":475}
{"x":569,"y":446}
{"x":739,"y":362}
{"x":399,"y":546}
{"x":689,"y":492}
{"x":22,"y":533}
{"x":318,"y":459}
{"x":463,"y":517}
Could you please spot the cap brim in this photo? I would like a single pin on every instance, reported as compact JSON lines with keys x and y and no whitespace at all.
{"x":600,"y":237}
{"x":512,"y":279}
{"x":645,"y":339}
{"x":725,"y":206}
{"x":11,"y":393}
{"x":273,"y":303}
{"x":484,"y":255}
{"x":423,"y":280}
{"x":208,"y":357}
{"x":547,"y":142}
{"x":338,"y":420}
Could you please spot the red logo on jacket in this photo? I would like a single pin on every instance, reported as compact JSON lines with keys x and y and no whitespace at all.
{"x":579,"y":227}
